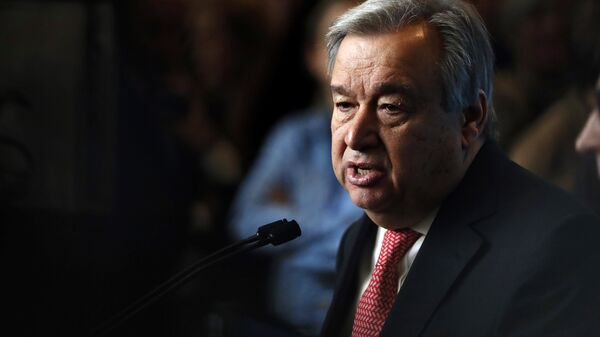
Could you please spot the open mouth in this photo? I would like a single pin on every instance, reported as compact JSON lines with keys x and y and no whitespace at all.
{"x":362,"y":171}
{"x":363,"y":174}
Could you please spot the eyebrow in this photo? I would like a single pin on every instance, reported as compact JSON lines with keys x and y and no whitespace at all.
{"x":394,"y":88}
{"x":339,"y":89}
{"x":380,"y":90}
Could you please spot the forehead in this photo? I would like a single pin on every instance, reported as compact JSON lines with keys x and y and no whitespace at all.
{"x":410,"y":54}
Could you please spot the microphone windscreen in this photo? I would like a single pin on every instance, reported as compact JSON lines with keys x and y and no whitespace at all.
{"x":280,"y":231}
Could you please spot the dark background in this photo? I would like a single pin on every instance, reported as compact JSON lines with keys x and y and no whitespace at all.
{"x":104,"y":186}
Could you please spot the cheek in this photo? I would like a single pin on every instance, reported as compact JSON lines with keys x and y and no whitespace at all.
{"x":447,"y":162}
{"x":337,"y":144}
{"x":338,"y":131}
{"x":428,"y":152}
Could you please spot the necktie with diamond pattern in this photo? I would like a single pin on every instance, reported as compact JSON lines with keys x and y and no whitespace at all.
{"x":377,"y":300}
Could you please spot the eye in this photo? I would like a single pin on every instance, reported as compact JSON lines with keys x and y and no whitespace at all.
{"x":344,"y":106}
{"x":391,"y":108}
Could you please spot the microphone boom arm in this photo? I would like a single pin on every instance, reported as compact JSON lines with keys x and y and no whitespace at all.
{"x":277,"y":232}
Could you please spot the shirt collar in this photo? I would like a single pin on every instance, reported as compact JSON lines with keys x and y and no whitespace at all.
{"x":422,"y":227}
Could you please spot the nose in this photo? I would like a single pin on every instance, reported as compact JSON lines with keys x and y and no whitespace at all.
{"x":589,"y":137}
{"x":363,"y":128}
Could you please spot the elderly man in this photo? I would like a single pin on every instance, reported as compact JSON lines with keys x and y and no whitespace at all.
{"x":456,"y":239}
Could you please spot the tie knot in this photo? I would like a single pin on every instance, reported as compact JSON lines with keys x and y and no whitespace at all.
{"x":397,"y":242}
{"x":399,"y":237}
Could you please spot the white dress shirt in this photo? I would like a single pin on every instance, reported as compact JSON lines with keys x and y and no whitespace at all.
{"x":368,"y":265}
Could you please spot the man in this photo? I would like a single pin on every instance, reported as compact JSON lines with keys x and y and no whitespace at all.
{"x":486,"y":248}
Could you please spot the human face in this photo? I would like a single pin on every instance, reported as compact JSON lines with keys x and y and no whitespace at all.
{"x":588,"y":140}
{"x":395,"y":150}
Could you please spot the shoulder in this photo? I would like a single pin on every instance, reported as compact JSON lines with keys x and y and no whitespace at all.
{"x":557,"y":287}
{"x":361,"y":229}
{"x":535,"y":217}
{"x":353,"y":231}
{"x":530,"y":204}
{"x":521,"y":201}
{"x":528,"y":191}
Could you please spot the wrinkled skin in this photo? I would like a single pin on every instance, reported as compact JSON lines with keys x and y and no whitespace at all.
{"x":395,"y":149}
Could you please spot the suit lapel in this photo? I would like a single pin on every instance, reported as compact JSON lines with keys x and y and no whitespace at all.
{"x":449,"y":246}
{"x":360,"y":239}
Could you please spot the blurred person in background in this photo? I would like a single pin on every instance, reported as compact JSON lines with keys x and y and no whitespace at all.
{"x":588,"y":140}
{"x":240,"y":52}
{"x":536,"y":35}
{"x":234,"y":50}
{"x":545,"y":147}
{"x":587,"y":185}
{"x":293,"y":178}
{"x":588,"y":145}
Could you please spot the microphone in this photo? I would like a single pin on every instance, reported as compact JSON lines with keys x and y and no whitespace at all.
{"x":278,"y":232}
{"x":275,"y":233}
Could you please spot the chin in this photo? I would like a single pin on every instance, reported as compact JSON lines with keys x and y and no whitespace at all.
{"x":368,"y":200}
{"x":360,"y":199}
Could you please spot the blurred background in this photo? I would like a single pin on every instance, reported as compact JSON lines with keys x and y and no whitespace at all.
{"x":127,"y":126}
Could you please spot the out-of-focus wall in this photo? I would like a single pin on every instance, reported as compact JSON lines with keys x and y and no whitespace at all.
{"x":57,"y":71}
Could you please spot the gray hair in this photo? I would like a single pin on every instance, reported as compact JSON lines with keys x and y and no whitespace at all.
{"x":467,"y":63}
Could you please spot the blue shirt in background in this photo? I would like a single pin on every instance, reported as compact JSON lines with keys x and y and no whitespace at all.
{"x":295,"y":162}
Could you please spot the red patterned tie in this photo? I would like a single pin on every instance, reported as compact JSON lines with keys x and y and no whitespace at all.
{"x":377,"y":300}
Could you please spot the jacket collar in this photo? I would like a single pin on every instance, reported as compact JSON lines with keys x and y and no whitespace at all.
{"x":450,"y":244}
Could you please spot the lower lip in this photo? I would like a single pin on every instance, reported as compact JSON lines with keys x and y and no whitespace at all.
{"x":366,"y":180}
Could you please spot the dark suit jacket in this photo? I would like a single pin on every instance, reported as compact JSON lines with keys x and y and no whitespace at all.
{"x":507,"y":255}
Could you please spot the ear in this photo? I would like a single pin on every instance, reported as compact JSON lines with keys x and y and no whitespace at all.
{"x":474,"y":119}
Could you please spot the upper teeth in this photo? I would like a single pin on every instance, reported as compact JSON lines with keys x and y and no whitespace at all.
{"x":362,"y":171}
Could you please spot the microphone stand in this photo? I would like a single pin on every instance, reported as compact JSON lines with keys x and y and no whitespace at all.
{"x":265,"y":235}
